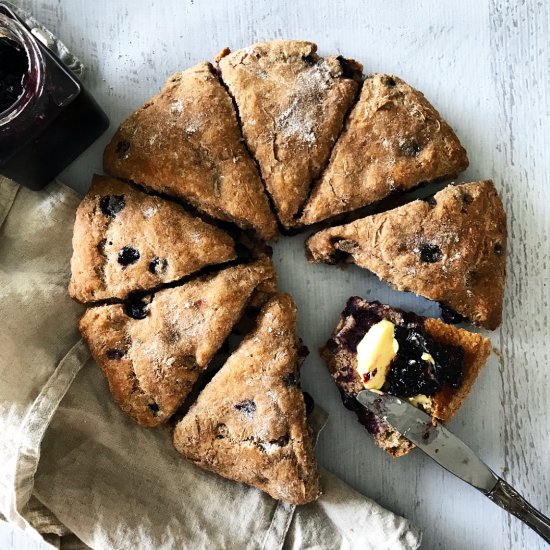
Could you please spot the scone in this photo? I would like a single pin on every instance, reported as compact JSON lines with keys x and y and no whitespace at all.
{"x":153,"y":349}
{"x":292,"y":105}
{"x":450,"y":248}
{"x":431,"y":363}
{"x":249,"y":423}
{"x":394,"y":140}
{"x":125,"y":241}
{"x":186,"y":142}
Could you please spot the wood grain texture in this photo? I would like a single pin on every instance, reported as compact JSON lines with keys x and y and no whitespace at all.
{"x":485,"y":66}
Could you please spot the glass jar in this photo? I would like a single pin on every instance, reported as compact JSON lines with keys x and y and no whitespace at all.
{"x":53,"y":119}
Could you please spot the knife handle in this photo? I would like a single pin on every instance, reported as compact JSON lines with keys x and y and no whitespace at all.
{"x":510,"y":500}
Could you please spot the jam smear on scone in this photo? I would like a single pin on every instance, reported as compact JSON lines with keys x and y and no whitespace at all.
{"x":388,"y":350}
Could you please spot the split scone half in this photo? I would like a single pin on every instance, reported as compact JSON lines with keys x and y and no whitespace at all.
{"x":393,"y":141}
{"x":292,"y":104}
{"x":249,"y":423}
{"x":126,"y":241}
{"x":153,"y":349}
{"x":450,"y":248}
{"x":186,"y":142}
{"x":424,"y":360}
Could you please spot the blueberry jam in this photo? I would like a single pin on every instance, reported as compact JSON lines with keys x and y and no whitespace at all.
{"x":409,"y":373}
{"x":47,"y":117}
{"x":14,"y":65}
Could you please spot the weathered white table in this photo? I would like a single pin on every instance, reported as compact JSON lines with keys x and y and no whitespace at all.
{"x":485,"y":65}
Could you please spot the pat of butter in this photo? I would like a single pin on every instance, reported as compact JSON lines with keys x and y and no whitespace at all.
{"x":375,"y":352}
{"x":422,"y":401}
{"x":428,"y":358}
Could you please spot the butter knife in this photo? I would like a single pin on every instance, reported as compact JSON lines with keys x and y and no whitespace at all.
{"x":454,"y":455}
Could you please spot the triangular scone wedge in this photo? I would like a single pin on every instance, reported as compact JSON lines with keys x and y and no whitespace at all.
{"x":341,"y":356}
{"x":186,"y":142}
{"x":292,"y":105}
{"x":394,"y":140}
{"x":152,"y":351}
{"x":125,"y":240}
{"x":450,"y":248}
{"x":249,"y":423}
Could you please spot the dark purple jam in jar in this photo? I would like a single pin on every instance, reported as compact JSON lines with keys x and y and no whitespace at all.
{"x":14,"y":67}
{"x":47,"y":118}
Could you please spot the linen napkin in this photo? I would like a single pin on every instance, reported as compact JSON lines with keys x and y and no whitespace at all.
{"x":72,"y":462}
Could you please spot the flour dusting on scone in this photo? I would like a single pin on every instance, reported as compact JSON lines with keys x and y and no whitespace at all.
{"x":249,"y":423}
{"x":450,"y":248}
{"x":125,"y":241}
{"x":426,"y":361}
{"x":394,"y":140}
{"x":186,"y":142}
{"x":292,"y":104}
{"x":153,"y":349}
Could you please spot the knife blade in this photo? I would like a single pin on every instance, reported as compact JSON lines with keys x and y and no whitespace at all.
{"x":452,"y":454}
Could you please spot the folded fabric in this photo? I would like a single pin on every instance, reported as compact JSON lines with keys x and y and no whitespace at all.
{"x":107,"y":480}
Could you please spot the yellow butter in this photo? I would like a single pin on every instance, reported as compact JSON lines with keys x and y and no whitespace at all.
{"x":422,"y":401}
{"x":375,"y":352}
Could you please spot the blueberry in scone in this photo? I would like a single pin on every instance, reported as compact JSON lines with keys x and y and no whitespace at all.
{"x":451,"y":249}
{"x":424,"y":360}
{"x":249,"y":423}
{"x":125,"y":241}
{"x":394,"y":140}
{"x":292,"y":104}
{"x":153,"y":348}
{"x":186,"y":142}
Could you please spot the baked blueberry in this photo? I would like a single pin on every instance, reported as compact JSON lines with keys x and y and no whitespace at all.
{"x":111,"y":205}
{"x":122,"y":148}
{"x":128,"y":256}
{"x":409,"y":148}
{"x":114,"y":354}
{"x":158,"y":266}
{"x":246,"y":407}
{"x":430,"y":253}
{"x":137,"y":308}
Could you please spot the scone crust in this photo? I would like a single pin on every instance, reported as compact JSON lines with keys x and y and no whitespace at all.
{"x":186,"y":142}
{"x":151,"y":364}
{"x":249,"y":423}
{"x":171,"y":243}
{"x":394,"y":140}
{"x":342,"y":367}
{"x":466,"y":223}
{"x":292,"y":105}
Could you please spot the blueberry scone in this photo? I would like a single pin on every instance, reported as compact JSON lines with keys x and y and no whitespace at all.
{"x":292,"y":105}
{"x":186,"y":142}
{"x":125,"y":241}
{"x":152,"y":349}
{"x":394,"y":140}
{"x":450,"y":248}
{"x":249,"y":423}
{"x":424,"y":360}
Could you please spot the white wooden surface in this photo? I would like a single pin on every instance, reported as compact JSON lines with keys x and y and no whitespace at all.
{"x":485,"y":65}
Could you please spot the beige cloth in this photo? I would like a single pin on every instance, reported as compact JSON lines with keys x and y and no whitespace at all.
{"x":71,"y":461}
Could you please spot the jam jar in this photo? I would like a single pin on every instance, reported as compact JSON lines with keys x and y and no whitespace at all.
{"x":47,"y":118}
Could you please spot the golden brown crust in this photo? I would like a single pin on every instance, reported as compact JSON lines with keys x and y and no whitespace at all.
{"x":292,"y":105}
{"x":171,"y":243}
{"x":341,"y":363}
{"x":464,"y":232}
{"x":151,"y":362}
{"x":393,"y":141}
{"x":186,"y":142}
{"x":249,"y":423}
